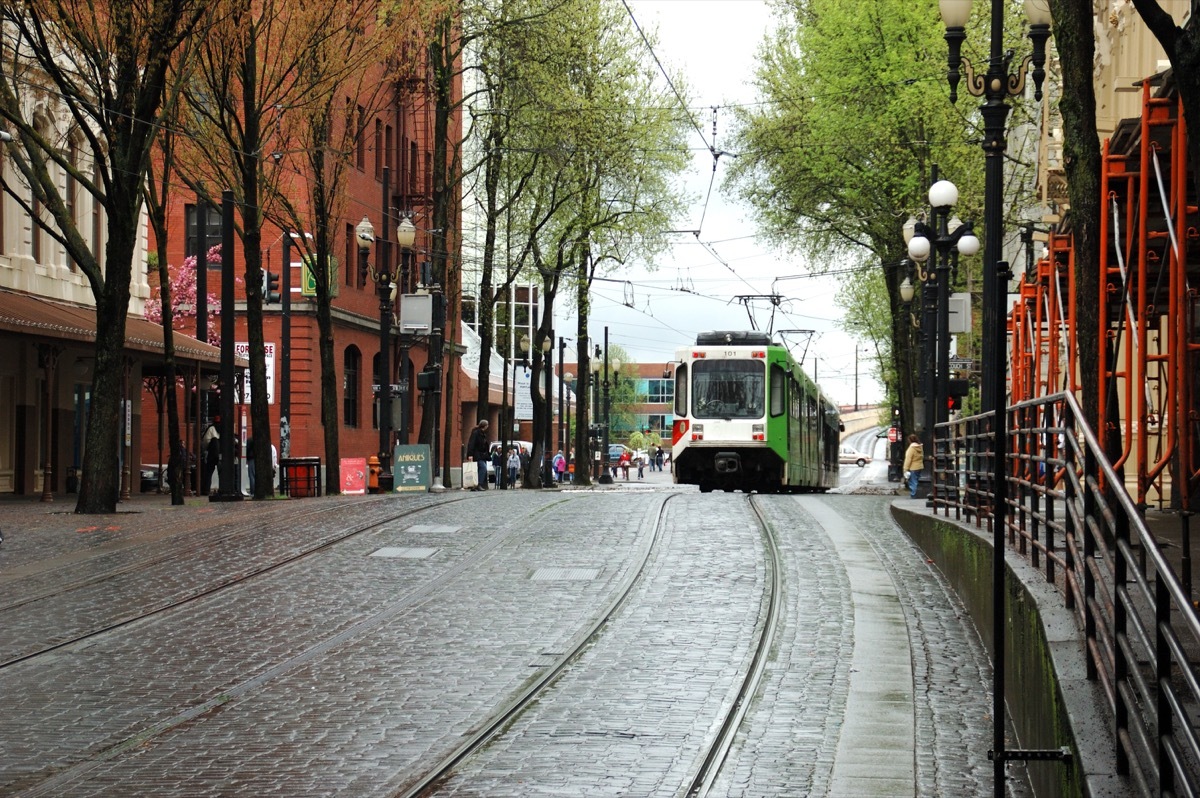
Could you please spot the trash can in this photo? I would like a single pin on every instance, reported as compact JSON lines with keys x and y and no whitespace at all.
{"x":301,"y":476}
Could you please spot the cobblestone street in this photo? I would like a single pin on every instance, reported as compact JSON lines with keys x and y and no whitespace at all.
{"x":346,"y":645}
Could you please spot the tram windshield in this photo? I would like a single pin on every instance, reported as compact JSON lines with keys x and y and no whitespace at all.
{"x":728,"y":388}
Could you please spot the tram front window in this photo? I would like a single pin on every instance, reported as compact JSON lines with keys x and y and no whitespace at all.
{"x":728,"y":388}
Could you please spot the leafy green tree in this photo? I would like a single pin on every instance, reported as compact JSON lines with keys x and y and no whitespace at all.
{"x":588,"y":146}
{"x":261,"y":78}
{"x":841,"y":152}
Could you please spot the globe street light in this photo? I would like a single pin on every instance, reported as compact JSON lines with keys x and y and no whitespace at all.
{"x":996,"y":86}
{"x":406,"y":237}
{"x":365,"y":235}
{"x":595,"y":366}
{"x":548,"y":366}
{"x":948,"y":238}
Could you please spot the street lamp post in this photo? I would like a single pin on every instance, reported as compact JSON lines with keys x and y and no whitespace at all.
{"x":605,"y":472}
{"x":524,"y":344}
{"x":996,"y":86}
{"x":595,"y":366}
{"x":942,"y":239}
{"x":562,"y":366}
{"x":365,"y":234}
{"x":567,"y":384}
{"x":406,"y":237}
{"x":548,"y":367}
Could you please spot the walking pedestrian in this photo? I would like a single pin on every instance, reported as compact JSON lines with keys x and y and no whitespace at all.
{"x":658,"y":459}
{"x":210,"y":448}
{"x":477,"y":450}
{"x":914,"y":464}
{"x":560,"y":466}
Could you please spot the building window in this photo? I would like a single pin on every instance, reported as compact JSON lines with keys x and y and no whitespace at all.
{"x":212,"y":232}
{"x":361,"y":136}
{"x":412,"y":167}
{"x":35,"y":230}
{"x":660,"y":392}
{"x":97,"y":220}
{"x":378,"y":149}
{"x":352,"y":366}
{"x":387,"y":146}
{"x":72,"y":194}
{"x":375,"y":380}
{"x":351,"y":261}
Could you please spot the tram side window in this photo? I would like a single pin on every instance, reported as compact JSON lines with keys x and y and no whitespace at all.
{"x":779,"y":392}
{"x":681,"y":391}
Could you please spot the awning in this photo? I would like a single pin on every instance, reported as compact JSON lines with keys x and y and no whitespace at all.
{"x":25,"y":314}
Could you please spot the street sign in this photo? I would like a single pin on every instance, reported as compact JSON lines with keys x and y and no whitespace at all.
{"x":962,"y":364}
{"x":893,"y":434}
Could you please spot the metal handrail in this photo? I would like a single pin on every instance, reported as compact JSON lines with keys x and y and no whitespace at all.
{"x":1068,"y":512}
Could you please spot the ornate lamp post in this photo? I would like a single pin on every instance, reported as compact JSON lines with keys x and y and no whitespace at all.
{"x":524,"y":345}
{"x":996,"y":86}
{"x":548,"y":368}
{"x":595,"y":366}
{"x":567,"y":384}
{"x":365,"y":234}
{"x":610,"y":367}
{"x":406,"y":237}
{"x":942,"y":239}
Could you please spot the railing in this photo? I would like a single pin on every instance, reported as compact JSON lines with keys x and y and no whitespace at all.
{"x":1068,"y":513}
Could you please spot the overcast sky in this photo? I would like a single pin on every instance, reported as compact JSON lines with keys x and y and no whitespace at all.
{"x":714,"y":42}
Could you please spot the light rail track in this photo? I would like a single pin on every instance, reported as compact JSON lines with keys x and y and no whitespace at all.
{"x":713,"y":753}
{"x":226,"y":580}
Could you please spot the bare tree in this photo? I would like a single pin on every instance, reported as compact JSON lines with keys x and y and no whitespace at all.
{"x":106,"y":66}
{"x":267,"y":62}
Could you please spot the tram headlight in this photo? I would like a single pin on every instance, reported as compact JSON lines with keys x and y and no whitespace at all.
{"x":758,"y":432}
{"x":697,"y":432}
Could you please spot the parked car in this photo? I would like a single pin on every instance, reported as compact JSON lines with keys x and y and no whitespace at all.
{"x":849,"y":455}
{"x":616,"y":449}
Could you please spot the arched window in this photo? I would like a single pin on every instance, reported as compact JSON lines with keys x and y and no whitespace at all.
{"x":72,"y":194}
{"x":375,"y":380}
{"x":351,"y":377}
{"x":37,"y":249}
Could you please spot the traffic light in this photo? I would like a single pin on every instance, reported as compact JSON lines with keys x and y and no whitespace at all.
{"x":956,"y":389}
{"x":271,"y":287}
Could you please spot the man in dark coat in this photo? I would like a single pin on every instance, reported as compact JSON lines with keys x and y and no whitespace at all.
{"x":478,"y":450}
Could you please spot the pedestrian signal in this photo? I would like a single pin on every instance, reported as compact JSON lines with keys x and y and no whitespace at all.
{"x":271,"y":288}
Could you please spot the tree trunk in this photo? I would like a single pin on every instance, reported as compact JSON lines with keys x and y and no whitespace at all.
{"x":1074,"y":37}
{"x":101,"y":484}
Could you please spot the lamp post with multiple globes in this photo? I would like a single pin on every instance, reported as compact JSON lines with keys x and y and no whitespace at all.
{"x":996,"y":85}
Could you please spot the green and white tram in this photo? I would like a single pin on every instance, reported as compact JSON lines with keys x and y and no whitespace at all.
{"x":748,"y":418}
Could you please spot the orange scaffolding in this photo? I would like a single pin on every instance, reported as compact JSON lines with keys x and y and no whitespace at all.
{"x":1147,"y":307}
{"x":1042,"y":335}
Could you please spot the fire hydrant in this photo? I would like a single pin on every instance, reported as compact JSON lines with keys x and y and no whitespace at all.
{"x":373,"y":470}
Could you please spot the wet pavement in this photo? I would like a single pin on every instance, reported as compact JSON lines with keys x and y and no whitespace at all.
{"x":374,"y":633}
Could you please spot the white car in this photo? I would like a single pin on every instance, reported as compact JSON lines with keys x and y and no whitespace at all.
{"x":849,"y":455}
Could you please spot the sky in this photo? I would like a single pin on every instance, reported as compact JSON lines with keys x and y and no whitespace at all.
{"x":692,"y":289}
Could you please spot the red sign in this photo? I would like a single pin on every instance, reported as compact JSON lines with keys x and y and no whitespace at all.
{"x":354,"y":475}
{"x":893,"y":434}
